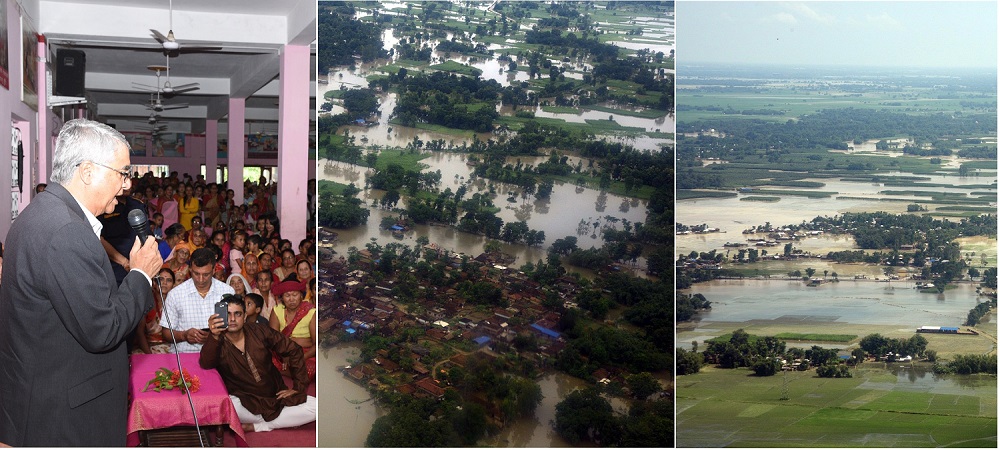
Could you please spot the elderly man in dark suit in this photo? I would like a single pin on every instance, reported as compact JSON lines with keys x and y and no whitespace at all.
{"x":63,"y":318}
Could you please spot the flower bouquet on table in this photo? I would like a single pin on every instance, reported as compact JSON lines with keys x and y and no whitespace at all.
{"x":165,"y":378}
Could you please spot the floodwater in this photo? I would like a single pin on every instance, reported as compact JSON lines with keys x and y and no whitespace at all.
{"x":387,"y":135}
{"x":731,"y":215}
{"x":344,"y":413}
{"x":847,"y":302}
{"x":537,"y":431}
{"x":920,"y":378}
{"x":571,"y":211}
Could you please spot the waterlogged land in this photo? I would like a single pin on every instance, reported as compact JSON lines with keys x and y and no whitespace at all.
{"x":781,"y":147}
{"x":816,"y":143}
{"x":845,"y":139}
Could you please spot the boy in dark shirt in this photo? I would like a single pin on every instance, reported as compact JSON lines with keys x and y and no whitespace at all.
{"x":254,"y":305}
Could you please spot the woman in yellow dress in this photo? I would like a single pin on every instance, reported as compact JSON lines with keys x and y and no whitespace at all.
{"x":188,"y":207}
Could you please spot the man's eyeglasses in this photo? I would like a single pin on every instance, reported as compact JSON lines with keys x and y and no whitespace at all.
{"x":123,"y":172}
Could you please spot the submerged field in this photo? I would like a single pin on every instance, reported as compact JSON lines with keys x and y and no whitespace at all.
{"x":876,"y":408}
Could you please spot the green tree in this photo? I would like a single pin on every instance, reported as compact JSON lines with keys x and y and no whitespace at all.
{"x":586,"y":416}
{"x":408,"y":425}
{"x":642,"y":385}
{"x":765,"y":367}
{"x":688,"y":362}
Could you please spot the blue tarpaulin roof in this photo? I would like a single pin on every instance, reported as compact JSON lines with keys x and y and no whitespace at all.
{"x":482,"y":340}
{"x":352,"y":330}
{"x":347,"y":323}
{"x":396,"y":227}
{"x":545,"y":331}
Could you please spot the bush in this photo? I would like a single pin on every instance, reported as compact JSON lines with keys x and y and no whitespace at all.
{"x":766,"y":367}
{"x":833,"y":371}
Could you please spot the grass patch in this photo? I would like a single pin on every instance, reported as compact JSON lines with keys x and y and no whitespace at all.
{"x":409,"y":161}
{"x":685,"y":194}
{"x":457,"y":67}
{"x":808,"y":194}
{"x":816,"y":337}
{"x":646,"y":113}
{"x":760,"y":198}
{"x":467,"y":134}
{"x":333,"y":187}
{"x":987,"y":165}
{"x":978,"y":209}
{"x":610,"y":126}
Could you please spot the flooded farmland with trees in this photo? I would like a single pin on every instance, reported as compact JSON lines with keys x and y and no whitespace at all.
{"x":836,"y":233}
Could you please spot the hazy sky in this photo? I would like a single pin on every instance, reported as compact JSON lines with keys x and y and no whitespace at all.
{"x":895,"y":33}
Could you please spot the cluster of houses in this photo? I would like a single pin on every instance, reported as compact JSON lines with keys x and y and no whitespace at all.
{"x":353,"y":305}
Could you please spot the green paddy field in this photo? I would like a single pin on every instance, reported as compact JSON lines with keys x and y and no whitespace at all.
{"x":876,"y":408}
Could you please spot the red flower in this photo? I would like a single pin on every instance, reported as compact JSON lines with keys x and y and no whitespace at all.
{"x":165,"y":378}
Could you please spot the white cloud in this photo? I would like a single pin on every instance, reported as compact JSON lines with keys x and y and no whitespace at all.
{"x":884,"y":20}
{"x":785,"y":18}
{"x":804,"y":11}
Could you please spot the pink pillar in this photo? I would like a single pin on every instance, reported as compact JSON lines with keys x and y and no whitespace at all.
{"x":293,"y":142}
{"x":211,"y":150}
{"x":237,"y":146}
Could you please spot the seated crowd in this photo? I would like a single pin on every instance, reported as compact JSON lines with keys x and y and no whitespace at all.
{"x":213,"y":247}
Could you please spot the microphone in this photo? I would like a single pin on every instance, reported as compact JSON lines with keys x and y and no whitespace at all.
{"x":139,"y":223}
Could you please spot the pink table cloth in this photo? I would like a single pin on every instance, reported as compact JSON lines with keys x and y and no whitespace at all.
{"x":152,"y":410}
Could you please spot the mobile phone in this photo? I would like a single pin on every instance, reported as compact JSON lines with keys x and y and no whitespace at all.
{"x":222,"y":309}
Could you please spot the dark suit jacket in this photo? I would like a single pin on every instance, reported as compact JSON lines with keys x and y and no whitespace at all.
{"x":63,"y":362}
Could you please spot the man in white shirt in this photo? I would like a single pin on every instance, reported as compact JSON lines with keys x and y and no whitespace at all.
{"x":189,"y":305}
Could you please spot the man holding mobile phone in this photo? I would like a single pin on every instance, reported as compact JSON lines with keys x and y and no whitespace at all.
{"x":241,"y":352}
{"x":189,"y":304}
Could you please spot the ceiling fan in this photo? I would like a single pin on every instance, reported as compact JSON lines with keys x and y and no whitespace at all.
{"x":166,"y":88}
{"x":154,"y":130}
{"x":170,"y":43}
{"x":156,"y":105}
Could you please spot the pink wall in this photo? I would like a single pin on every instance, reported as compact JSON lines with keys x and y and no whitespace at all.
{"x":14,"y":111}
{"x":194,"y":146}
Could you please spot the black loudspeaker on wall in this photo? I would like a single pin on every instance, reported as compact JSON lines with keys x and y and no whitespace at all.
{"x":71,"y":67}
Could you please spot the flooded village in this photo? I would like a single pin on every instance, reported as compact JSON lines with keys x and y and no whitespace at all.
{"x":469,"y":305}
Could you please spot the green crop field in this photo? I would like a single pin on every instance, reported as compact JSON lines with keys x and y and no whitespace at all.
{"x":728,"y":408}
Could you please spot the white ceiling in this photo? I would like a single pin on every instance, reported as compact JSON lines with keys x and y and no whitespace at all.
{"x":119,"y":47}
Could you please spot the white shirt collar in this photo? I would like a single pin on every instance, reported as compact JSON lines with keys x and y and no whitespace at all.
{"x":94,"y":223}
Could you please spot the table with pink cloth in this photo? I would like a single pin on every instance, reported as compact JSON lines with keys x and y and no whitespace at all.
{"x":151,"y":410}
